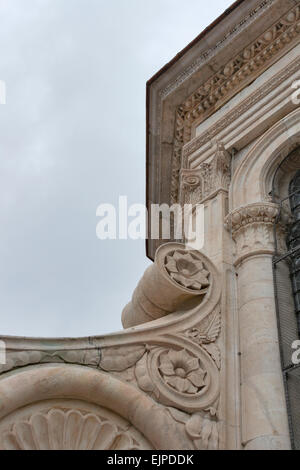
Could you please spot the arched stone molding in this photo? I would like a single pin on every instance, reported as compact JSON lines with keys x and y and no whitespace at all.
{"x":65,"y":382}
{"x":253,"y":180}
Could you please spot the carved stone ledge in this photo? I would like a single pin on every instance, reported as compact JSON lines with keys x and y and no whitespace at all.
{"x":208,"y":180}
{"x":252,"y":228}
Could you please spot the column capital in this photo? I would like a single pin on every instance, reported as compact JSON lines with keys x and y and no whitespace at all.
{"x":252,"y":229}
{"x":205,"y":182}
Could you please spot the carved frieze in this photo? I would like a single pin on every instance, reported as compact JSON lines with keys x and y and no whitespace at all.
{"x":22,"y":358}
{"x":240,"y":71}
{"x":209,"y":53}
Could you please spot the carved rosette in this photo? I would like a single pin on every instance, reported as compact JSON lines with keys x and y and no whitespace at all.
{"x":186,"y":381}
{"x":208,"y":180}
{"x":252,"y":228}
{"x":187,"y":270}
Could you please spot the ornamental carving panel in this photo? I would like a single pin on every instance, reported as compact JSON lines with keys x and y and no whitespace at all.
{"x":167,"y":372}
{"x":252,"y":228}
{"x":208,"y":179}
{"x":63,"y":425}
{"x":228,"y":81}
{"x":187,"y":270}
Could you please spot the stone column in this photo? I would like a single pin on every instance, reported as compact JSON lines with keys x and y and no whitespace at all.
{"x":264,"y":413}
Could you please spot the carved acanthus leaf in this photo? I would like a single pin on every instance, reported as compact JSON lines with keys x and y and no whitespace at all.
{"x":214,"y":351}
{"x":209,"y":329}
{"x":202,"y":428}
{"x":16,"y":359}
{"x":119,"y":359}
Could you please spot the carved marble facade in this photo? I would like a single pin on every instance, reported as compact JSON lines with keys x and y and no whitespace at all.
{"x":198,"y":363}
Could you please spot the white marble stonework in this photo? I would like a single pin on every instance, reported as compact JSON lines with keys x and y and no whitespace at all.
{"x":198,"y":363}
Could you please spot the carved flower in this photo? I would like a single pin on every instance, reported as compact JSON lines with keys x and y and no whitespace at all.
{"x":182,"y":372}
{"x":187,"y":270}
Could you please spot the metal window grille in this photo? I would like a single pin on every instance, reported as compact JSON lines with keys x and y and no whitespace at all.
{"x":287,"y":291}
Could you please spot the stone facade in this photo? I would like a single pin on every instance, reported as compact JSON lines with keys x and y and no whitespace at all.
{"x":198,"y":365}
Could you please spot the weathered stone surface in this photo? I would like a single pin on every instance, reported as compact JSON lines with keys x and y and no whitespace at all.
{"x":198,"y":365}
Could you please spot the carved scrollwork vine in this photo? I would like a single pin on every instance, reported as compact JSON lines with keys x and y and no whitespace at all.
{"x":180,"y":372}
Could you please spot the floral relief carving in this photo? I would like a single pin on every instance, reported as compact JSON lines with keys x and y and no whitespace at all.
{"x":202,"y":428}
{"x":207,"y":334}
{"x":209,"y":329}
{"x":188,"y":271}
{"x":182,"y":371}
{"x":235,"y":75}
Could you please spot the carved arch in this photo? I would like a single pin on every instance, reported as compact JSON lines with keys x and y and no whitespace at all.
{"x":252,"y":181}
{"x":64,"y":382}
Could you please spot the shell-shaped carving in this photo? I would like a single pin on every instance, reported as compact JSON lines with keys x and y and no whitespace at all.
{"x":67,"y":430}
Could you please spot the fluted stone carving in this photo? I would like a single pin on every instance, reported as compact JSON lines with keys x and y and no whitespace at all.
{"x":67,"y":429}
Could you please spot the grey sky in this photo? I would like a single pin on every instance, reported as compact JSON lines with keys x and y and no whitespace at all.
{"x":72,"y":136}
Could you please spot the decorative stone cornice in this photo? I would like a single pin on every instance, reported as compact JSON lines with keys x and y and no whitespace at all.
{"x":208,"y":180}
{"x":229,"y":80}
{"x":252,"y":228}
{"x":209,"y":53}
{"x":240,"y":109}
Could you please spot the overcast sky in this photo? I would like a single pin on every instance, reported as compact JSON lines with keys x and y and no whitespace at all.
{"x":72,"y":136}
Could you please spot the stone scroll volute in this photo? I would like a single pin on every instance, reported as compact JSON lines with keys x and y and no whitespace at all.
{"x":171,"y":364}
